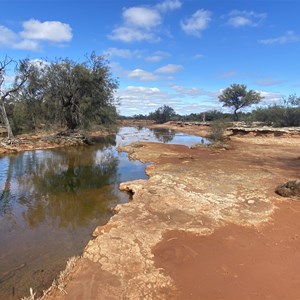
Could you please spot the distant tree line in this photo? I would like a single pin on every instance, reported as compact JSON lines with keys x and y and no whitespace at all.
{"x":237,"y":97}
{"x":62,"y":93}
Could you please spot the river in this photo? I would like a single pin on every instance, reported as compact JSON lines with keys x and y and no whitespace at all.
{"x":52,"y":200}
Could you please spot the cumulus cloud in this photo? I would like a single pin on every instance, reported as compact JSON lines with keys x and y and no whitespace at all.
{"x":52,"y":31}
{"x":141,"y":17}
{"x":239,"y":18}
{"x":288,"y":37}
{"x":34,"y":33}
{"x":27,"y":45}
{"x":168,"y":5}
{"x":143,"y":75}
{"x":143,"y":100}
{"x":128,"y":34}
{"x":169,"y":69}
{"x":139,"y":99}
{"x":196,"y":23}
{"x":138,"y":25}
{"x":7,"y":36}
{"x":141,"y":23}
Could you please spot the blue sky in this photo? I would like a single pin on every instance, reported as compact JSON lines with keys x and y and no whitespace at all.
{"x":181,"y":53}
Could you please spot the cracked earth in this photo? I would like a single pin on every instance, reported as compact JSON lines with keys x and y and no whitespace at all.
{"x":205,"y":225}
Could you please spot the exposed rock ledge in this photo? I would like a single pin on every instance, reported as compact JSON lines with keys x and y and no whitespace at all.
{"x":265,"y":130}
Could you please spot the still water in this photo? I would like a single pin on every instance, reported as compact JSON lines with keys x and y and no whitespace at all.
{"x":52,"y":200}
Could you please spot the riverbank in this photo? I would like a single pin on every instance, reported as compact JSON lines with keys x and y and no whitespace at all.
{"x":47,"y":140}
{"x":207,"y":224}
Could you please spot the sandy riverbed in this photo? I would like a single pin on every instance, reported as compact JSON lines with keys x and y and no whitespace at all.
{"x":206,"y":225}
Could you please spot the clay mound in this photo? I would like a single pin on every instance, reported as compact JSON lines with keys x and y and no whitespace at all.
{"x":289,"y":189}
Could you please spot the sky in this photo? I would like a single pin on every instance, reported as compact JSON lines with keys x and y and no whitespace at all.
{"x":180,"y":53}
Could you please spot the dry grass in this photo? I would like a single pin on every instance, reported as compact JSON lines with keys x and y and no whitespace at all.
{"x":59,"y":283}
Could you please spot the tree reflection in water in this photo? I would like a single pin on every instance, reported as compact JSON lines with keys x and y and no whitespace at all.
{"x":163,"y":135}
{"x":50,"y":201}
{"x":66,"y":186}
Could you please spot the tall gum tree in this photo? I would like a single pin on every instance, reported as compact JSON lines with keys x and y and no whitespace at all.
{"x":85,"y":91}
{"x":7,"y":90}
{"x":238,"y":97}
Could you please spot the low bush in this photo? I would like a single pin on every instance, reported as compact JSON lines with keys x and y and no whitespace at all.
{"x":278,"y":116}
{"x":217,"y":130}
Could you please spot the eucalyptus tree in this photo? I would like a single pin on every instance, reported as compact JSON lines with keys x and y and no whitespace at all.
{"x":7,"y":89}
{"x":84,"y":92}
{"x":29,"y":111}
{"x":162,"y":114}
{"x":237,"y":96}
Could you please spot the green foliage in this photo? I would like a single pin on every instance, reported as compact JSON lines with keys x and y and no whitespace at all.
{"x":237,"y":96}
{"x":217,"y":130}
{"x":65,"y":93}
{"x":278,"y":116}
{"x":162,"y":114}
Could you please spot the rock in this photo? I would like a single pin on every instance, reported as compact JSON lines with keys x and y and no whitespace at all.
{"x":289,"y":189}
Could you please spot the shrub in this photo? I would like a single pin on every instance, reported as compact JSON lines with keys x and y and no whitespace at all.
{"x":217,"y":130}
{"x":278,"y":116}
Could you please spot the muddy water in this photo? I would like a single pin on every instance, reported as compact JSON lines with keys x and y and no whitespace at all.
{"x":52,"y":200}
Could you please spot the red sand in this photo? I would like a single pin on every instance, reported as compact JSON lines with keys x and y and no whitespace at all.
{"x":237,"y":262}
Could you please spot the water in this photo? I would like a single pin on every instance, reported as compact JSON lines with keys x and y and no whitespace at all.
{"x":52,"y":200}
{"x":128,"y":135}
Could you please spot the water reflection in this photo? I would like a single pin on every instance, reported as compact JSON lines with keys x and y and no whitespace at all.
{"x":163,"y":135}
{"x":52,"y":200}
{"x":129,"y":135}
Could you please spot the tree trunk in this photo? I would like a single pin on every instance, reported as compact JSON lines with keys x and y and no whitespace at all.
{"x":235,"y":115}
{"x":71,"y":116}
{"x":5,"y":120}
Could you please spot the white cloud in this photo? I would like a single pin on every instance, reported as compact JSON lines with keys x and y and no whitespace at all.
{"x":143,"y":75}
{"x":141,"y":17}
{"x":168,"y":5}
{"x":139,"y":99}
{"x":34,"y":33}
{"x":270,"y":98}
{"x":184,"y":91}
{"x":143,"y":23}
{"x":169,"y":69}
{"x":123,"y":53}
{"x":138,"y":74}
{"x":27,"y":45}
{"x":7,"y":36}
{"x":239,"y":18}
{"x":157,"y":56}
{"x":288,"y":37}
{"x":196,"y":23}
{"x":127,"y":35}
{"x":52,"y":31}
{"x":143,"y":100}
